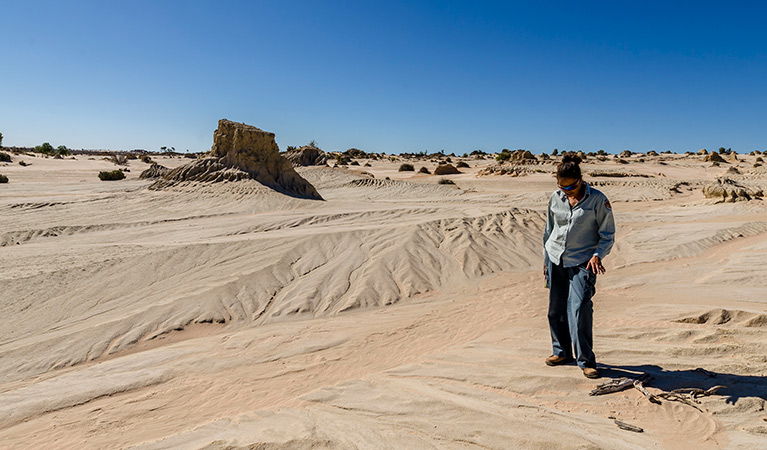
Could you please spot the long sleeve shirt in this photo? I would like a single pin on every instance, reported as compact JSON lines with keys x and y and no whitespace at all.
{"x":574,"y":234}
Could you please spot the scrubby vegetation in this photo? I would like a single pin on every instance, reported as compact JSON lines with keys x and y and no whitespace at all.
{"x":406,"y":168}
{"x":120,"y":160}
{"x":424,"y":170}
{"x":445,"y":181}
{"x":111,"y":175}
{"x":3,"y":179}
{"x":461,"y":164}
{"x":5,"y":157}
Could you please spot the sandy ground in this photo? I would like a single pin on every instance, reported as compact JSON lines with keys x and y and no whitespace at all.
{"x":396,"y":314}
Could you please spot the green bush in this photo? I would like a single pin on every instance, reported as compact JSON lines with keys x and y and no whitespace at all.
{"x":461,"y":164}
{"x":111,"y":175}
{"x":505,"y":155}
{"x":45,"y":148}
{"x":3,"y":179}
{"x":5,"y":157}
{"x":63,"y":150}
{"x":424,"y":170}
{"x":406,"y":168}
{"x":445,"y":181}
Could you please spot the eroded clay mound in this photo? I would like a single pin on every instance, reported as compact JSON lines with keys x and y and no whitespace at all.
{"x":154,"y":171}
{"x":240,"y":152}
{"x":307,"y":156}
{"x":728,"y":190}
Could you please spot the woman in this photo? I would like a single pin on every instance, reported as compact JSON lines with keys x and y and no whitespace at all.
{"x":579,"y":233}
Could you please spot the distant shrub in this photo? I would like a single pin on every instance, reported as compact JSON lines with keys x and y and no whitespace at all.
{"x":5,"y":157}
{"x":146,"y":159}
{"x":406,"y":168}
{"x":424,"y":170}
{"x":3,"y":179}
{"x":45,"y":148}
{"x":448,"y":159}
{"x":63,"y":150}
{"x":120,"y":160}
{"x":446,"y":169}
{"x":461,"y":164}
{"x":759,"y":159}
{"x":354,"y":163}
{"x":445,"y":181}
{"x":367,"y":165}
{"x":111,"y":175}
{"x":757,"y":165}
{"x":190,"y":155}
{"x":715,"y":164}
{"x":23,"y":164}
{"x":478,"y":153}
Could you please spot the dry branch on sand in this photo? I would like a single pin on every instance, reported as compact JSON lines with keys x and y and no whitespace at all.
{"x":622,"y":383}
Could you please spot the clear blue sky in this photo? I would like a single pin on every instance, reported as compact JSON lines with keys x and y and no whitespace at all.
{"x":386,"y":76}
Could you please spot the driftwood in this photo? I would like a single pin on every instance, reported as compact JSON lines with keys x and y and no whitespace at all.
{"x":628,"y":426}
{"x":650,"y":396}
{"x":679,"y":395}
{"x":618,"y":384}
{"x":693,"y":392}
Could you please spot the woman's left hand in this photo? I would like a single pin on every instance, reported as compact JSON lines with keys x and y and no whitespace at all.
{"x":595,"y":265}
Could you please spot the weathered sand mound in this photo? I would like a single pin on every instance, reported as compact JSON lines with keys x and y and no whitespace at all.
{"x":307,"y":156}
{"x":640,"y":189}
{"x":307,"y":271}
{"x":342,"y":184}
{"x":210,"y":170}
{"x":714,"y":157}
{"x":723,"y":316}
{"x":241,"y":152}
{"x":154,"y":171}
{"x":728,"y":190}
{"x":617,"y":174}
{"x":512,"y":169}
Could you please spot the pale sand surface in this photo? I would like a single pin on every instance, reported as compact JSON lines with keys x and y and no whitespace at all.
{"x":396,"y":314}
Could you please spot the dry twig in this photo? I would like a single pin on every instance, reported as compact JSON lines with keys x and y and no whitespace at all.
{"x":616,"y":385}
{"x":650,"y":396}
{"x":628,"y":426}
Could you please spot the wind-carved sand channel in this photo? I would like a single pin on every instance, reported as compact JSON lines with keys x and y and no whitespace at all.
{"x":394,"y":314}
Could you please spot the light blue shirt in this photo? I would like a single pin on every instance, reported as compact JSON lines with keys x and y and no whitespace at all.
{"x":574,"y":234}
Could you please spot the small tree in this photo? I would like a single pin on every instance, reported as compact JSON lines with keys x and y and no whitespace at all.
{"x":46,"y":148}
{"x":312,"y":144}
{"x":1,"y":140}
{"x":555,"y":152}
{"x":63,"y":150}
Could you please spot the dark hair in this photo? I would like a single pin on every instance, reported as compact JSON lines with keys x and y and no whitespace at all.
{"x":569,"y":167}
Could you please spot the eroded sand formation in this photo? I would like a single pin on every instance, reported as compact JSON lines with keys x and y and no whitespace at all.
{"x":242,"y":152}
{"x":398,"y":313}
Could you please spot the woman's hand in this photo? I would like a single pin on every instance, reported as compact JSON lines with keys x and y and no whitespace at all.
{"x":595,"y":265}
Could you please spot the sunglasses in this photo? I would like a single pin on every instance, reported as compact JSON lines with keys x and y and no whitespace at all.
{"x":570,"y":187}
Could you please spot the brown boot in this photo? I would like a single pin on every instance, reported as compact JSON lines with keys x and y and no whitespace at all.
{"x":590,"y":372}
{"x":555,"y":360}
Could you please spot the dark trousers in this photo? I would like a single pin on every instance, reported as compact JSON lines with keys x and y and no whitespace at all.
{"x":571,"y":312}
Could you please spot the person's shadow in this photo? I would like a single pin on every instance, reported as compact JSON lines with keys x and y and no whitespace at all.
{"x":737,"y":386}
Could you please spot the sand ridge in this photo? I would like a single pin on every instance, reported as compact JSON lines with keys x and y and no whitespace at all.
{"x":398,"y":313}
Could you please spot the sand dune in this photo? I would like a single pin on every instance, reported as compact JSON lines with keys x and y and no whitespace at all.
{"x":398,"y":313}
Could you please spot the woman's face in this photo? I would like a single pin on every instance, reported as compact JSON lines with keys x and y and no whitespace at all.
{"x":570,"y":186}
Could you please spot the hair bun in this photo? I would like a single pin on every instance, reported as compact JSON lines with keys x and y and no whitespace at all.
{"x":571,"y":157}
